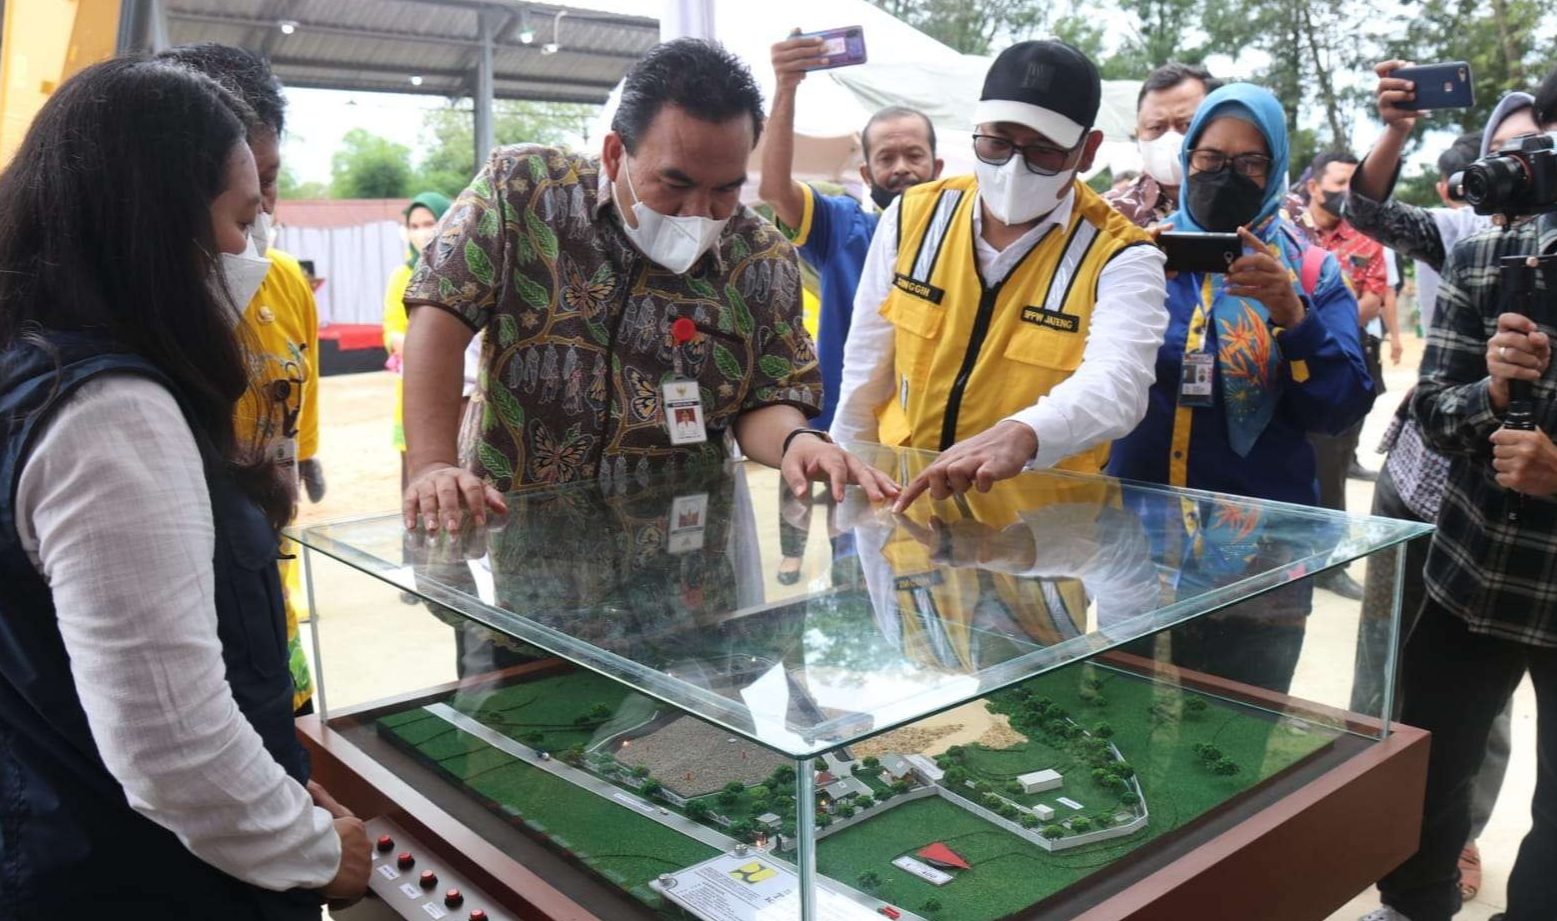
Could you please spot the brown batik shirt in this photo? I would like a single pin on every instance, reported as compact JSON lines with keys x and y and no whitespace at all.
{"x":578,"y":324}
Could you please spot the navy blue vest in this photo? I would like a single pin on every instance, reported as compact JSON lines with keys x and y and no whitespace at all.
{"x":69,"y":840}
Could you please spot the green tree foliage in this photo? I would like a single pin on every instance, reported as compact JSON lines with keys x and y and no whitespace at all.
{"x":697,"y":810}
{"x":1029,"y":820}
{"x":868,"y":880}
{"x":369,"y":166}
{"x":864,"y":802}
{"x":1053,"y":832}
{"x":289,"y":188}
{"x":970,"y":26}
{"x":448,"y":137}
{"x":1080,"y":824}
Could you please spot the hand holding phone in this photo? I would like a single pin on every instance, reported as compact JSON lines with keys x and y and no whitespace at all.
{"x":840,"y":47}
{"x":1437,"y":86}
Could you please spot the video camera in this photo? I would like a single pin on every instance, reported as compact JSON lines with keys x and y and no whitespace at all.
{"x":1518,"y":179}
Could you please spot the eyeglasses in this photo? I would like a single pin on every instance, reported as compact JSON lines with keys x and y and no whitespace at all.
{"x":1210,"y":160}
{"x":1042,"y":159}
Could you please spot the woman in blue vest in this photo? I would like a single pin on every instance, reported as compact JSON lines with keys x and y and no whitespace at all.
{"x":148,"y":762}
{"x":1253,"y":361}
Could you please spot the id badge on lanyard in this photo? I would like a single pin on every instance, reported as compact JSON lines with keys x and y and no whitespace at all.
{"x":681,"y":399}
{"x":1197,"y":381}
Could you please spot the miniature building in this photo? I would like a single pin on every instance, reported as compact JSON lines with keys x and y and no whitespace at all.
{"x":769,"y":819}
{"x":925,"y":768}
{"x":940,"y":856}
{"x":896,"y":767}
{"x":1040,"y":781}
{"x":1044,"y":813}
{"x":839,"y":790}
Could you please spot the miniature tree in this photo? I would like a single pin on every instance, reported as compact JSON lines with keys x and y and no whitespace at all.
{"x":1103,"y":731}
{"x":697,"y":810}
{"x":1098,"y":700}
{"x":1029,"y":820}
{"x":955,"y":777}
{"x":759,"y":806}
{"x":983,"y":786}
{"x":846,"y":812}
{"x":864,"y":802}
{"x":931,"y":906}
{"x":726,"y":798}
{"x":868,"y":880}
{"x":886,"y":794}
{"x":944,"y":762}
{"x":760,"y":792}
{"x":1014,"y":788}
{"x":1080,"y":824}
{"x":641,"y":771}
{"x":741,"y":831}
{"x":1009,"y":811}
{"x":783,"y":776}
{"x":1100,"y":776}
{"x":573,"y":756}
{"x":824,"y":820}
{"x":900,"y":787}
{"x":1196,"y":707}
{"x":651,"y":787}
{"x":957,"y":751}
{"x":1124,"y":769}
{"x":1053,"y":832}
{"x":1103,"y":820}
{"x":992,"y":801}
{"x":787,"y":829}
{"x":736,"y":787}
{"x":1129,"y":798}
{"x":871,"y":763}
{"x":1226,"y":767}
{"x":1056,"y":727}
{"x":599,"y":713}
{"x":533,"y":738}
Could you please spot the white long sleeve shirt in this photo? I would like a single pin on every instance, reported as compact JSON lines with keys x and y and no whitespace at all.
{"x":113,"y":511}
{"x":1105,"y":399}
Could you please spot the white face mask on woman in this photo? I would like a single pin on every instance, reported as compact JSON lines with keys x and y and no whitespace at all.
{"x":1160,"y":158}
{"x":1016,"y":194}
{"x":242,"y":275}
{"x":674,"y":242}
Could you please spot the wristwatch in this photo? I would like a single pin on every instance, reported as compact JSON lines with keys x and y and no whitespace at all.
{"x":791,"y":437}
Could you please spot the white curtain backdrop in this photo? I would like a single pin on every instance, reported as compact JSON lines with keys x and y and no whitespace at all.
{"x":355,"y":263}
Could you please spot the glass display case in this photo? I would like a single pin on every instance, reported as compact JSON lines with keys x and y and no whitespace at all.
{"x":700,"y":696}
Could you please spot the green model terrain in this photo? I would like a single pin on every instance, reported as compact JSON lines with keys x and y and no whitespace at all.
{"x":1009,"y":874}
{"x":1155,"y":727}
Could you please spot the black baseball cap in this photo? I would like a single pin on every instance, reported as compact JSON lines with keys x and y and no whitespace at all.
{"x":1049,"y":86}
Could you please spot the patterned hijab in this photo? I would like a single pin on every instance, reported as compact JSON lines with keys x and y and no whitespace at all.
{"x":1248,"y":353}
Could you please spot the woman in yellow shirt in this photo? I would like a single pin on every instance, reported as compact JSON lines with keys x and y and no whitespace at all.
{"x":421,"y":221}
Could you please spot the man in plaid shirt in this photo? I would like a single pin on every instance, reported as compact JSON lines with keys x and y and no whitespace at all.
{"x":1491,"y":609}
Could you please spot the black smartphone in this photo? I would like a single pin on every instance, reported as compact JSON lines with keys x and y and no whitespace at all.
{"x":841,"y":47}
{"x":1439,"y":86}
{"x":1200,"y":252}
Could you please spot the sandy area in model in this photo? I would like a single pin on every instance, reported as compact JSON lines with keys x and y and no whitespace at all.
{"x":962,"y":725}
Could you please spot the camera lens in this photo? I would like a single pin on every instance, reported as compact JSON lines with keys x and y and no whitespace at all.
{"x":1494,"y":181}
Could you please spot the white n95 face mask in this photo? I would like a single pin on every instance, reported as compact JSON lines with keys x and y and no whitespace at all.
{"x":1016,"y":194}
{"x":672,"y":241}
{"x":261,"y":232}
{"x":1160,"y":158}
{"x":242,"y":275}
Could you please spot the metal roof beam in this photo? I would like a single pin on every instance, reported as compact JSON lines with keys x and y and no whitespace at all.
{"x":367,"y":86}
{"x":419,"y":38}
{"x":456,"y":74}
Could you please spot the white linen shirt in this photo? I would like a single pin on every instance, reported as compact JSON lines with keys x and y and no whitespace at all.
{"x":113,"y":511}
{"x":1105,"y":399}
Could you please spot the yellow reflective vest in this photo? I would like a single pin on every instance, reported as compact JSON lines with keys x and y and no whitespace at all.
{"x":969,"y":354}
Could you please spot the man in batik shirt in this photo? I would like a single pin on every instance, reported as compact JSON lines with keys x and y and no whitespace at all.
{"x":601,"y":283}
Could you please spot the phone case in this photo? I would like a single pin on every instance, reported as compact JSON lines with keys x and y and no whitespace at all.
{"x":1200,"y":252}
{"x":843,"y":47}
{"x":1439,"y":86}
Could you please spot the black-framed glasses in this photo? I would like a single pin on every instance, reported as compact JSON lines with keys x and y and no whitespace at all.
{"x":1211,"y":160}
{"x":1043,"y":159}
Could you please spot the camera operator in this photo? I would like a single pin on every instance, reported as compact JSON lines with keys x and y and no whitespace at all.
{"x":1490,"y":614}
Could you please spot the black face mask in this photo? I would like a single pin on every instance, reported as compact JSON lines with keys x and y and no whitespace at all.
{"x":1333,"y":202}
{"x":1222,"y":201}
{"x":882,"y":196}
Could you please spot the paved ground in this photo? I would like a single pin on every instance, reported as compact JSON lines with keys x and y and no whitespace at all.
{"x":372,"y":662}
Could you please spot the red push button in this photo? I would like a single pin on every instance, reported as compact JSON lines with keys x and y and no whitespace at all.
{"x":386,"y":844}
{"x":478,"y":915}
{"x":429,"y":879}
{"x":453,"y":898}
{"x":406,"y":861}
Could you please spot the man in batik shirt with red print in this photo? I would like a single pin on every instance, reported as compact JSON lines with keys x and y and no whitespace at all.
{"x":1362,"y":262}
{"x":617,"y":293}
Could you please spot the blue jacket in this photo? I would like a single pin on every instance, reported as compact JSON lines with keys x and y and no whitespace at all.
{"x":69,"y":840}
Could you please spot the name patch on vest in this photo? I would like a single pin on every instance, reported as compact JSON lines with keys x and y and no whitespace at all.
{"x":1053,"y":319}
{"x":918,"y":288}
{"x":919,"y":580}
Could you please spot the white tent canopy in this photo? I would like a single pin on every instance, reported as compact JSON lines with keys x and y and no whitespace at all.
{"x":906,"y":67}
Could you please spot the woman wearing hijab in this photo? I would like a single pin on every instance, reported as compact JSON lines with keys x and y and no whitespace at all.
{"x":1253,"y":360}
{"x":1256,"y":358}
{"x":421,"y":222}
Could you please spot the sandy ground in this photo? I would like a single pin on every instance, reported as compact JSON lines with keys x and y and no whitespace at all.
{"x":377,"y":647}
